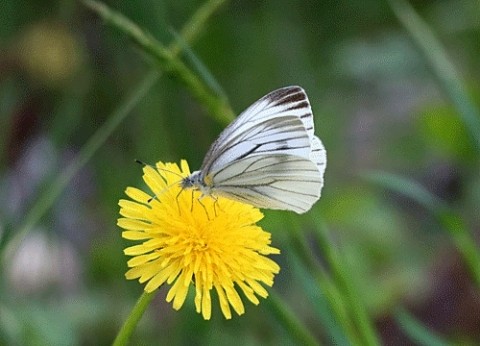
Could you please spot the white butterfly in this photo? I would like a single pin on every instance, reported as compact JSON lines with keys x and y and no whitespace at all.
{"x":268,"y":156}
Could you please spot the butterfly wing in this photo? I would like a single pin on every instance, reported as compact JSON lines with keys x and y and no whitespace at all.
{"x":269,"y":156}
{"x":268,"y":119}
{"x":318,"y":154}
{"x":273,"y":181}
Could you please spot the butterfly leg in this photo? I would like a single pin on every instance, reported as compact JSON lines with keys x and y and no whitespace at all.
{"x":178,"y":204}
{"x":215,"y":204}
{"x":191,"y":203}
{"x":203,"y":206}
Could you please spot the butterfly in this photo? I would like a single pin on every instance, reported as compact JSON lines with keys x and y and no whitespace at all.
{"x":268,"y":156}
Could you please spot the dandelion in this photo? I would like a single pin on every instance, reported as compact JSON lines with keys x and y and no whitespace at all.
{"x":186,"y":241}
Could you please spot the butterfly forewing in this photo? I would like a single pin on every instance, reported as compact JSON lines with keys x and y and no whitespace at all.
{"x":285,"y":102}
{"x":285,"y":135}
{"x":292,"y":101}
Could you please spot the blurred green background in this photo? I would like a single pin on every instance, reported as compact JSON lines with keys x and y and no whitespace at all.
{"x":377,"y":106}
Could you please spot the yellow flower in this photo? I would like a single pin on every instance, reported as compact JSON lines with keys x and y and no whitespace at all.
{"x":207,"y":243}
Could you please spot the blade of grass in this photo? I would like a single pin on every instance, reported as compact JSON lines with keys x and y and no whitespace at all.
{"x":196,"y":23}
{"x":216,"y":106}
{"x":344,"y":281}
{"x":290,"y":321}
{"x":318,"y":301}
{"x":407,"y":188}
{"x":200,"y":67}
{"x":448,"y":218}
{"x":333,"y":295}
{"x":417,"y":332}
{"x":440,"y":64}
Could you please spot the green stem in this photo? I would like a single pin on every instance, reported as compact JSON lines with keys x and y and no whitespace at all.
{"x":290,"y":321}
{"x":196,"y":23}
{"x":216,"y":106}
{"x":131,"y":322}
{"x":443,"y":69}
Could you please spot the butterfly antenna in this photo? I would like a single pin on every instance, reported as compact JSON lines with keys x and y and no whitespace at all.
{"x":142,"y":163}
{"x":176,"y":198}
{"x":169,"y":171}
{"x":169,"y":186}
{"x":160,"y":169}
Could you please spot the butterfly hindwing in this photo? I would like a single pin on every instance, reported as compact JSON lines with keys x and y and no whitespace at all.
{"x":274,"y":181}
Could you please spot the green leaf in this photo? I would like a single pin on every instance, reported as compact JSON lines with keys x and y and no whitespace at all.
{"x":417,"y":332}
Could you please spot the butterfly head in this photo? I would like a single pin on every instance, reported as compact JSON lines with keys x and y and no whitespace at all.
{"x":191,"y":182}
{"x":196,"y":181}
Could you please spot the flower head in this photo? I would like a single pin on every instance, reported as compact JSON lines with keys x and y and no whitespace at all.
{"x":208,"y":243}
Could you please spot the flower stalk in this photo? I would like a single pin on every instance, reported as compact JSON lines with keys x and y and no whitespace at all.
{"x":131,"y":322}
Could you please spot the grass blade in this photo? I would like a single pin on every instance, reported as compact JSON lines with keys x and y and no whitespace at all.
{"x":199,"y":66}
{"x":417,"y":332}
{"x":290,"y":321}
{"x":334,"y":296}
{"x":343,"y":280}
{"x":448,"y":218}
{"x":319,"y":302}
{"x":444,"y":70}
